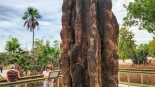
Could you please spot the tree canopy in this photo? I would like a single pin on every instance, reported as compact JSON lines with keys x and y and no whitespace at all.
{"x":151,"y":46}
{"x":12,"y":45}
{"x":141,"y":13}
{"x":142,"y":51}
{"x":45,"y":54}
{"x":126,"y":43}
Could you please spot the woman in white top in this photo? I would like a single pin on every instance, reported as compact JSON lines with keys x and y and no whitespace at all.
{"x":47,"y":83}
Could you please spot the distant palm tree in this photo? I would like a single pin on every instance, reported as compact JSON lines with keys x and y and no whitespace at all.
{"x":12,"y":45}
{"x":30,"y":17}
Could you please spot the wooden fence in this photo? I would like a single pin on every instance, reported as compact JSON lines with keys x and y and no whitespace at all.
{"x":141,"y":72}
{"x":32,"y":79}
{"x":39,"y":78}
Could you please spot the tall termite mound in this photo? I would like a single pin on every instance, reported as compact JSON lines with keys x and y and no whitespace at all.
{"x":89,"y":44}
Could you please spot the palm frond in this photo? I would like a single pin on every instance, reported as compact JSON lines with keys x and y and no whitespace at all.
{"x":25,"y":22}
{"x":30,"y":10}
{"x":38,"y":16}
{"x":36,"y":23}
{"x":30,"y":16}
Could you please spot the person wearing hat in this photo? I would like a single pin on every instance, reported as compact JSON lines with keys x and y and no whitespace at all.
{"x":47,"y":83}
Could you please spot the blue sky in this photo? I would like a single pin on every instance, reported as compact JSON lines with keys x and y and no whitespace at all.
{"x":11,"y":24}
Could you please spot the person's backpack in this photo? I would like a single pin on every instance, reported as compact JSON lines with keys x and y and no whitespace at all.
{"x":12,"y":75}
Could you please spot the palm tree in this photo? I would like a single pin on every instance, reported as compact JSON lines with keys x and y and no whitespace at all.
{"x":30,"y":17}
{"x":12,"y":45}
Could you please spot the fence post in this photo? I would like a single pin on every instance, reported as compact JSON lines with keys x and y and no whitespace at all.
{"x":58,"y":82}
{"x":128,"y":79}
{"x":141,"y":79}
{"x":26,"y":85}
{"x":118,"y":77}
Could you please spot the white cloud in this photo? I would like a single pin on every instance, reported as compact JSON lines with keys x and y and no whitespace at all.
{"x":142,"y":36}
{"x":4,"y":23}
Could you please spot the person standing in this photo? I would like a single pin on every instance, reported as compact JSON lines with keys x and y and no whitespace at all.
{"x":12,"y":75}
{"x":47,"y":83}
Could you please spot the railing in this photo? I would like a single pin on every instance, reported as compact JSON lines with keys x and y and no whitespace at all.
{"x":32,"y":79}
{"x":135,"y":71}
{"x":24,"y":78}
{"x":18,"y":83}
{"x":39,"y":78}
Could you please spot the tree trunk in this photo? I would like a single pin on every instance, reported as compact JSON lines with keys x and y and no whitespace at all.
{"x":33,"y":43}
{"x":89,"y":44}
{"x":33,"y":52}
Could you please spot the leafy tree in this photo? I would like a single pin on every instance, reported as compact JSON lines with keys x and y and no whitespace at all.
{"x":142,"y":51}
{"x":16,"y":55}
{"x":12,"y":45}
{"x":151,"y":46}
{"x":141,"y":13}
{"x":52,"y":53}
{"x":4,"y":57}
{"x":126,"y":44}
{"x":38,"y":45}
{"x":45,"y":53}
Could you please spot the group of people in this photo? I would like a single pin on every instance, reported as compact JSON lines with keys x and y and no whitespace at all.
{"x":13,"y":76}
